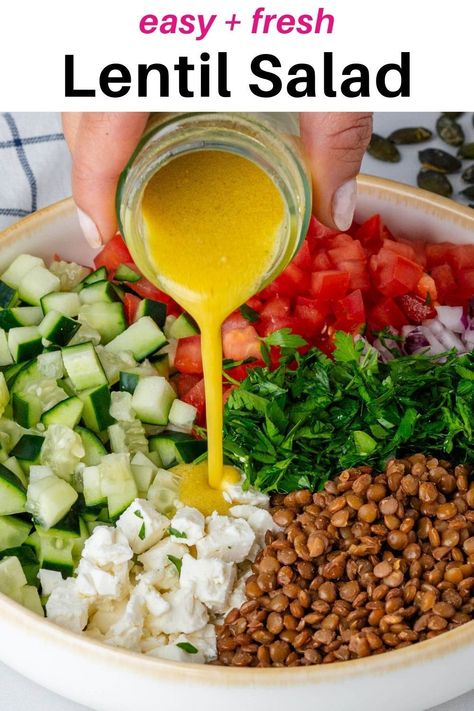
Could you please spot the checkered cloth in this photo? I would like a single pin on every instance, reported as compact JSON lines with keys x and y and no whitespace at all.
{"x":34,"y":164}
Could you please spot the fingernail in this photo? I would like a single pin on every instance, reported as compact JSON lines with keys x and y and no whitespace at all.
{"x":89,"y":229}
{"x":343,"y":205}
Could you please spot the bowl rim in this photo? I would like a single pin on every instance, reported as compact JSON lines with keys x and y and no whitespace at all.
{"x":140,"y":664}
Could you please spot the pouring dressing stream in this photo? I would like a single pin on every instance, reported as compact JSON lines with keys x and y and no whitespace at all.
{"x":215,"y":226}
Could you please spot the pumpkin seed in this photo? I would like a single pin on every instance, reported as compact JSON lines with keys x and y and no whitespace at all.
{"x":438,"y":160}
{"x":411,"y":134}
{"x":468,"y":192}
{"x":383,"y":149}
{"x":450,"y":131}
{"x":435,"y":182}
{"x":468,"y":174}
{"x":452,"y":114}
{"x":466,"y":150}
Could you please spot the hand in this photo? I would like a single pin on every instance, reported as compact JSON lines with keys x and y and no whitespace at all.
{"x":102,"y":143}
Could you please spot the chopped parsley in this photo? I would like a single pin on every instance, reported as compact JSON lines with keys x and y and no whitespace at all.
{"x":290,"y":428}
{"x":187,"y":647}
{"x":177,"y":562}
{"x":249,"y":314}
{"x":177,"y":534}
{"x":142,"y":531}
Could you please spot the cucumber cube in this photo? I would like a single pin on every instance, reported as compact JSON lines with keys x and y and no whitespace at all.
{"x":152,"y":400}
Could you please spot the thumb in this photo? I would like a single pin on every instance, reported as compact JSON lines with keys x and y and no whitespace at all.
{"x":101,"y":145}
{"x":335,"y":144}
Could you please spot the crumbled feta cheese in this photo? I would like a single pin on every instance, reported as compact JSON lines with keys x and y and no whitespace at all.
{"x":121,"y":406}
{"x":67,"y":607}
{"x":204,"y":640}
{"x":94,"y":581}
{"x":107,"y":546}
{"x":209,"y":579}
{"x":189,"y":521}
{"x":229,"y":539}
{"x":49,"y":580}
{"x":156,"y":558}
{"x":107,"y":613}
{"x":128,"y":631}
{"x":259,"y":520}
{"x":235,"y":493}
{"x":142,"y":525}
{"x":154,"y":601}
{"x":238,"y":597}
{"x":186,"y":614}
{"x":150,"y":643}
{"x":62,"y":450}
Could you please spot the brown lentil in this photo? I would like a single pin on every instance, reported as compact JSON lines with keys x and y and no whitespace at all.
{"x":369,"y":564}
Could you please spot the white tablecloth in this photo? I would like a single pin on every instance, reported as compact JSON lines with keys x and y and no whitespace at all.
{"x":34,"y":171}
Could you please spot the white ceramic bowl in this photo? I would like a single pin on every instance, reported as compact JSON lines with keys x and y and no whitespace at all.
{"x":108,"y":679}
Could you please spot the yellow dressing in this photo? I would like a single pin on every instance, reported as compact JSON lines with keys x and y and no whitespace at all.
{"x":213,"y":224}
{"x":194,"y":489}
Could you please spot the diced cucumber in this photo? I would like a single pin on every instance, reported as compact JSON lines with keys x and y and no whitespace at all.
{"x":152,"y":400}
{"x":12,"y":493}
{"x":155,"y":309}
{"x":182,"y":415}
{"x":69,"y":527}
{"x":49,"y":500}
{"x":93,"y":495}
{"x":20,"y":266}
{"x":80,"y":540}
{"x":57,"y":328}
{"x":13,"y":532}
{"x":65,"y":302}
{"x":8,"y":296}
{"x":96,"y":414}
{"x":12,"y":578}
{"x":117,"y":483}
{"x":24,"y":342}
{"x":31,"y":600}
{"x":28,"y":558}
{"x":4,"y":394}
{"x":26,"y":409}
{"x":27,"y":450}
{"x":54,"y":552}
{"x":50,"y":365}
{"x":126,"y":273}
{"x":128,"y":437}
{"x":12,"y":371}
{"x":39,"y":471}
{"x":106,"y":318}
{"x":161,"y":363}
{"x":97,"y":292}
{"x":70,"y":274}
{"x":26,"y":376}
{"x":67,"y":412}
{"x":37,"y":283}
{"x":83,"y":366}
{"x":143,"y":470}
{"x":163,"y":493}
{"x":13,"y":465}
{"x":128,"y":381}
{"x":141,"y":338}
{"x":94,"y":449}
{"x":177,"y":448}
{"x":100,"y":274}
{"x":183,"y":327}
{"x":20,"y":316}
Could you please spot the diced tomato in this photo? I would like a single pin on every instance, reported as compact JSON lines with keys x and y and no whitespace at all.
{"x":292,"y":281}
{"x":386,"y":313}
{"x":277,"y":306}
{"x":437,"y":253}
{"x":302,"y":259}
{"x":446,"y":285}
{"x":466,"y":283}
{"x":321,"y":262}
{"x":196,"y":397}
{"x":340,"y":240}
{"x":317,"y":232}
{"x":254,"y":303}
{"x":420,"y":251}
{"x":350,"y":311}
{"x":415,"y":308}
{"x":147,"y":290}
{"x":426,"y":288}
{"x":393,"y":274}
{"x":235,"y":320}
{"x":240,"y":372}
{"x":188,"y":357}
{"x":130,"y":305}
{"x":326,"y":345}
{"x":184,"y":382}
{"x":241,"y":343}
{"x":352,"y":252}
{"x":227,"y":393}
{"x":370,"y":233}
{"x":114,"y":253}
{"x":403,"y":248}
{"x":312,"y":311}
{"x":330,"y":284}
{"x":462,"y":256}
{"x":359,"y":276}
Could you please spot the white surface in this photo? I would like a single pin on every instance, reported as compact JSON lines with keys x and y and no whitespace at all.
{"x":16,"y":692}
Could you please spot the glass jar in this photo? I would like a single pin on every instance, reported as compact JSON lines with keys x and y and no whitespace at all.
{"x":271,"y":140}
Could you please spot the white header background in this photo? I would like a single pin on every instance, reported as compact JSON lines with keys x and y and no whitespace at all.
{"x":35,"y":36}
